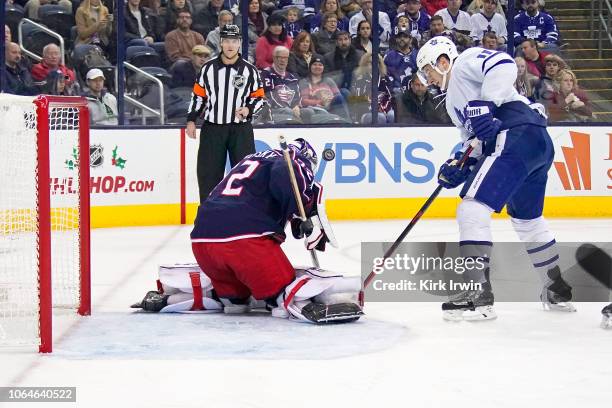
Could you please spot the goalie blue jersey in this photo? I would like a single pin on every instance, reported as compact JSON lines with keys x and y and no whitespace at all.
{"x":254,"y":199}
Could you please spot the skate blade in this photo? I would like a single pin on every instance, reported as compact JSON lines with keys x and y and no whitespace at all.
{"x":481,"y":313}
{"x":566,"y":307}
{"x":606,"y":323}
{"x":452,"y":315}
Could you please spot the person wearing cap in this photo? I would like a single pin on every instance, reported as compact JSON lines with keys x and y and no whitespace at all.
{"x":401,"y":59}
{"x":227,"y":93}
{"x":184,"y":72}
{"x":180,"y":42}
{"x":102,"y":104}
{"x":419,"y":106}
{"x":275,"y":35}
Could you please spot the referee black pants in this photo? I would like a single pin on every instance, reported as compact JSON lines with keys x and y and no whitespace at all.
{"x":216,"y":141}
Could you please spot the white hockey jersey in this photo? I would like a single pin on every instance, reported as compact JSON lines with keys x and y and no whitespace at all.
{"x":480,"y":74}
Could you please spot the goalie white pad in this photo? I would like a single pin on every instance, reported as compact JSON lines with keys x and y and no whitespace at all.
{"x":321,"y":221}
{"x":314,"y":285}
{"x":189,"y":288}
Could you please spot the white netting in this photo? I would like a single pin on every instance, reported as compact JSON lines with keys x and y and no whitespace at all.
{"x":19,"y":255}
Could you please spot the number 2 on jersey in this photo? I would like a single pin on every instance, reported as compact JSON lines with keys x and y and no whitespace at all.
{"x":251,"y":166}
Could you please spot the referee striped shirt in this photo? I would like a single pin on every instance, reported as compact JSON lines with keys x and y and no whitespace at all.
{"x":221,"y":89}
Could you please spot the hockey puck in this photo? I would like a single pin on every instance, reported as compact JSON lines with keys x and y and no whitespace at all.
{"x":329,"y":155}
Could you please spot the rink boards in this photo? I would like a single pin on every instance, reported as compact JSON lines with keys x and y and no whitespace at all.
{"x":147,"y":176}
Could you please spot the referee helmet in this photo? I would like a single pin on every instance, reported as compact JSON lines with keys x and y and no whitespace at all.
{"x":230,"y":31}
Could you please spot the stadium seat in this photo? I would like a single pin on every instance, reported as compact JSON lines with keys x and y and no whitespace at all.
{"x":160,"y":47}
{"x":142,"y":56}
{"x":14,"y":14}
{"x":48,"y":8}
{"x":60,"y":22}
{"x":136,"y":81}
{"x":34,"y":39}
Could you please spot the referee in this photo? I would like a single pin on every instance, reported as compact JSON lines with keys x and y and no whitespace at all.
{"x":229,"y":91}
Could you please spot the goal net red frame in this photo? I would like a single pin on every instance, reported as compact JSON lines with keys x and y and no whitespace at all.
{"x":56,"y":116}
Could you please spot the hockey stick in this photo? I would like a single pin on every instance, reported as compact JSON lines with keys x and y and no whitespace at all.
{"x":413,"y":222}
{"x":296,"y":193}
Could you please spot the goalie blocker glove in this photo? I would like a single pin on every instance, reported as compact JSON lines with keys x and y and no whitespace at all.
{"x":320,"y":229}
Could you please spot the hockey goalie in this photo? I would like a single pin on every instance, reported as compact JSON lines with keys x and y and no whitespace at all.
{"x":236,"y":241}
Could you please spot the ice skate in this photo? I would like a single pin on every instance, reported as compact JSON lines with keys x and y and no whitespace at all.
{"x":556,"y":296}
{"x":606,"y":319}
{"x":470,"y":306}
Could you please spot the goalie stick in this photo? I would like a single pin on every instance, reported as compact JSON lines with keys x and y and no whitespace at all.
{"x":296,"y":192}
{"x":413,"y":222}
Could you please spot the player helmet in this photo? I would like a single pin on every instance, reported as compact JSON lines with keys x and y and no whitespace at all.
{"x":304,"y":149}
{"x":429,"y":54}
{"x":230,"y":31}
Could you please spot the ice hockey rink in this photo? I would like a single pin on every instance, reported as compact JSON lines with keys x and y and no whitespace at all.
{"x":398,"y":355}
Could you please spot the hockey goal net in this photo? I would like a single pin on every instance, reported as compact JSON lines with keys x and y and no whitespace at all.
{"x":44,"y":215}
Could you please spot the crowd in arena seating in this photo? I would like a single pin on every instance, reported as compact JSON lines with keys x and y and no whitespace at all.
{"x":315,"y":56}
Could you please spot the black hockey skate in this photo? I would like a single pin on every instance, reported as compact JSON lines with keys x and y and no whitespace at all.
{"x":152,"y":302}
{"x":471,"y":306}
{"x":606,"y":319}
{"x":328,"y":314}
{"x":557,"y":294}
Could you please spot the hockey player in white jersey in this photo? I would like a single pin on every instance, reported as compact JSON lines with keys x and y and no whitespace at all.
{"x":508,"y":167}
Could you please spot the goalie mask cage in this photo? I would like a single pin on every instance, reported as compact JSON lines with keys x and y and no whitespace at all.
{"x":44,"y":215}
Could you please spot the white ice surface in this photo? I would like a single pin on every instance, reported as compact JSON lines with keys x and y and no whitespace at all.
{"x":399,"y":355}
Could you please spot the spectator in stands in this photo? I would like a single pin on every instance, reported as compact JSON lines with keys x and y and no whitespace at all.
{"x":401,"y":60}
{"x":322,"y":95}
{"x":17,"y":78}
{"x":274,"y":36}
{"x":476,"y":6}
{"x":179,"y":43}
{"x":569,"y":103}
{"x":293,"y":25}
{"x":329,"y":6}
{"x":433,"y":6}
{"x":546,"y":86}
{"x":342,"y":61}
{"x":55,"y":84}
{"x":437,"y":29}
{"x":361,"y":91}
{"x":362,"y":41}
{"x":532,"y":23}
{"x":102,"y":104}
{"x":420,"y":106}
{"x":33,"y":6}
{"x":534,"y":57}
{"x":456,"y":19}
{"x":324,"y":39}
{"x":208,"y":18}
{"x":184,"y":72}
{"x":94,"y":25}
{"x":257,"y":18}
{"x":213,"y":40}
{"x":302,"y":51}
{"x":138,"y":28}
{"x":418,"y":20}
{"x":526,"y":83}
{"x":350,"y":7}
{"x":172,"y":13}
{"x":489,"y":41}
{"x":489,"y":20}
{"x":7,"y":34}
{"x":384,"y":30}
{"x":51,"y":61}
{"x":282,"y":88}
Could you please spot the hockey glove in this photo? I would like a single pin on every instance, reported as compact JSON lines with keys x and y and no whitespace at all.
{"x":301,"y":229}
{"x":451,"y":175}
{"x":482,"y":122}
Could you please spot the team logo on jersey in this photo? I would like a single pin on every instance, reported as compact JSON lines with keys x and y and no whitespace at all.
{"x":238,"y":81}
{"x":96,"y":155}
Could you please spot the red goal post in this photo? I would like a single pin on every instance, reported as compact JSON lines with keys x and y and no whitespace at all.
{"x":45,"y":234}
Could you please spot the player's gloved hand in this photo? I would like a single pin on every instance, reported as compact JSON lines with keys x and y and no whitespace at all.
{"x":318,"y":238}
{"x":301,"y":229}
{"x":484,"y":125}
{"x":451,"y":175}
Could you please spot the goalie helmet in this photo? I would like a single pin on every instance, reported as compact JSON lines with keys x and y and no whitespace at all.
{"x":304,"y":149}
{"x":429,"y":54}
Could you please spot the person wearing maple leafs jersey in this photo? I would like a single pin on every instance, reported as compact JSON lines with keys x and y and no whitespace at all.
{"x":102,"y":104}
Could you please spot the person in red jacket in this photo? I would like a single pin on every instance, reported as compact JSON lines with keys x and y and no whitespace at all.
{"x":274,"y":36}
{"x":432,"y":6}
{"x":52,"y":62}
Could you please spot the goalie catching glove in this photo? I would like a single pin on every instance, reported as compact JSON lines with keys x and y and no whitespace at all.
{"x":321,"y":232}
